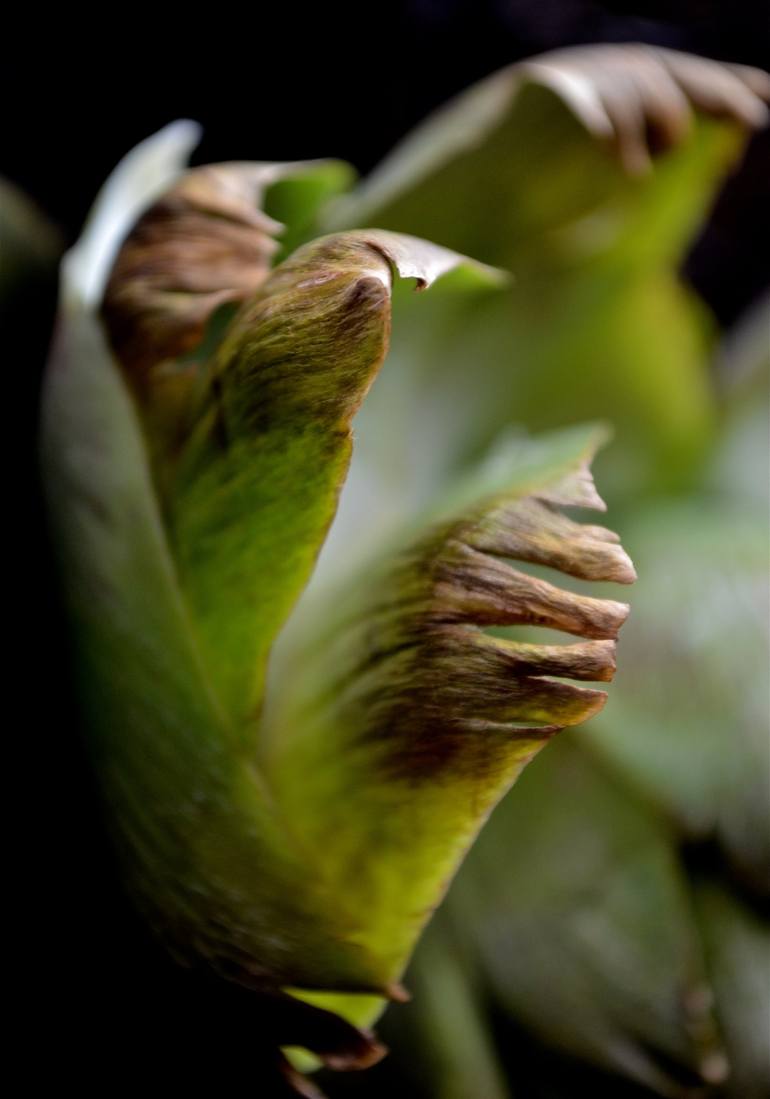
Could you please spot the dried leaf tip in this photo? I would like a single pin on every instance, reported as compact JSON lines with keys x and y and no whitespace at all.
{"x":426,"y":675}
{"x":413,"y":720}
{"x":640,"y":98}
{"x":466,"y":582}
{"x":203,"y":243}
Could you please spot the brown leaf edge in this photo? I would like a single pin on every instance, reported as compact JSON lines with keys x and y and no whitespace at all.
{"x":204,"y":243}
{"x":423,"y":637}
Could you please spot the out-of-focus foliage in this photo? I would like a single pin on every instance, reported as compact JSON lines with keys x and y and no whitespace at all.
{"x":30,"y":245}
{"x":597,"y":323}
{"x":30,"y":248}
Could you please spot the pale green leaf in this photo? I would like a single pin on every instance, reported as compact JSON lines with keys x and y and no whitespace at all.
{"x":578,"y":912}
{"x":401,"y":714}
{"x":737,"y":943}
{"x":520,"y":172}
{"x":144,"y":539}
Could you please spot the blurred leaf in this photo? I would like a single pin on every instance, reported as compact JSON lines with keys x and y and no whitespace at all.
{"x":401,"y":714}
{"x":516,"y":173}
{"x":689,"y":720}
{"x":30,"y":249}
{"x":30,"y":244}
{"x":298,"y":199}
{"x":737,"y":945}
{"x":452,"y":1030}
{"x":738,"y":467}
{"x":697,"y":742}
{"x":579,"y":915}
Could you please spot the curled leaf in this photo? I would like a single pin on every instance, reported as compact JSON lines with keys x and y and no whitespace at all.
{"x":641,"y":98}
{"x":180,"y":566}
{"x":137,"y":181}
{"x":635,"y":99}
{"x":413,"y":721}
{"x":312,"y":861}
{"x":256,"y":486}
{"x":204,"y":242}
{"x":528,"y":170}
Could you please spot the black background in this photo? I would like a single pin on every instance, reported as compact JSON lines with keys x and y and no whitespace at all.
{"x":100,"y":1009}
{"x":327,"y":80}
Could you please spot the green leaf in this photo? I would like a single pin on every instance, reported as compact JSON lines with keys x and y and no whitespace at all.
{"x":446,"y":1025}
{"x":297,"y":200}
{"x":238,"y":515}
{"x":205,"y":849}
{"x":546,"y":140}
{"x":205,"y":242}
{"x":30,"y":246}
{"x":689,"y":721}
{"x":587,"y":921}
{"x":698,"y":747}
{"x":403,"y":716}
{"x":256,"y":487}
{"x":579,"y":916}
{"x":737,"y":944}
{"x":523,"y":171}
